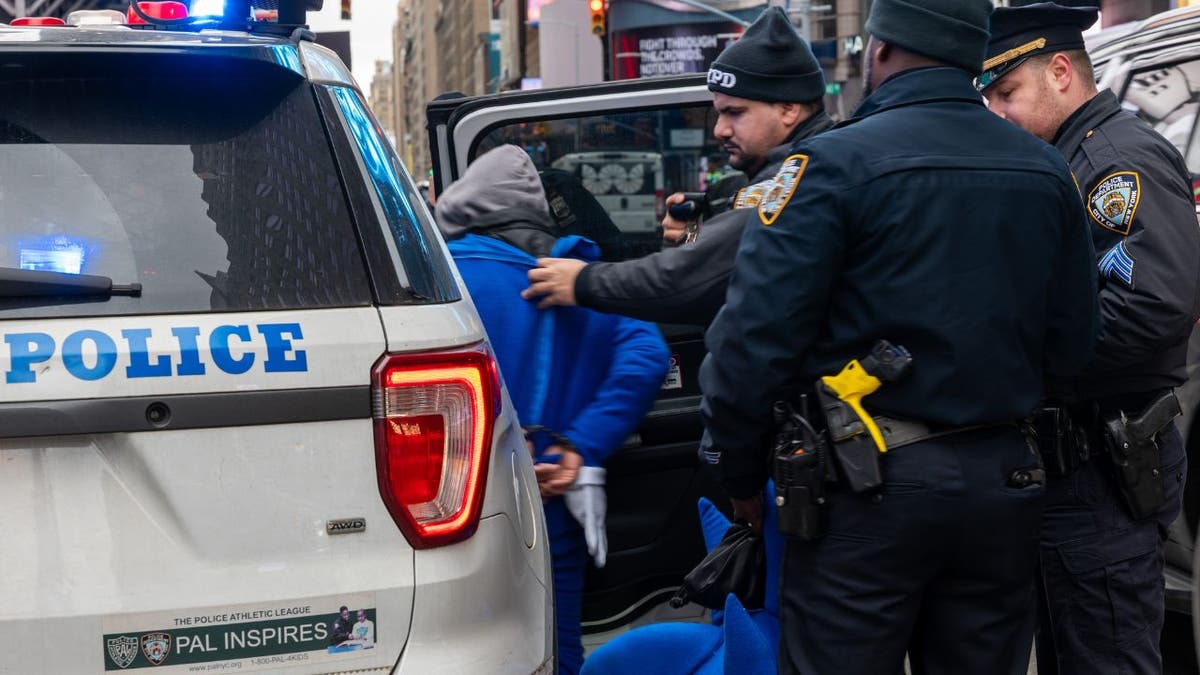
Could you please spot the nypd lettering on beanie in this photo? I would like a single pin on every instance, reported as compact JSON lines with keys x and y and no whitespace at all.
{"x":771,"y":62}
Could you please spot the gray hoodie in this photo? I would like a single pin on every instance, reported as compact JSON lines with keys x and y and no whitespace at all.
{"x":501,"y":179}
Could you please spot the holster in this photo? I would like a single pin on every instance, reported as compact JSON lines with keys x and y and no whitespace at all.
{"x":800,"y":466}
{"x":855,"y":451}
{"x":1136,"y":462}
{"x":1062,"y":442}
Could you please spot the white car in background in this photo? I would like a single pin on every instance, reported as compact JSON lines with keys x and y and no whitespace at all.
{"x":629,"y":185}
{"x":249,"y":419}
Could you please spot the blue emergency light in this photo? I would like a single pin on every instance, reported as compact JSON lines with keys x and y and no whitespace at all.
{"x":254,"y":15}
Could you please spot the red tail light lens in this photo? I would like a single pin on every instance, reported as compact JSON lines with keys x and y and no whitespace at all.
{"x":660,"y":205}
{"x":156,"y":10}
{"x":433,"y":436}
{"x":38,"y":21}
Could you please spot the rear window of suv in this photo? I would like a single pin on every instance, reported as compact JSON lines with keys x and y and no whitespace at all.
{"x":209,"y":181}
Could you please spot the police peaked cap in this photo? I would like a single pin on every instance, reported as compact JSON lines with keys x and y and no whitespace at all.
{"x":1019,"y":33}
{"x":771,"y":62}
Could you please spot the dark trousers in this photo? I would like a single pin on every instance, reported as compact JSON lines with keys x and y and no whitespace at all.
{"x":1100,"y":604}
{"x":568,"y":555}
{"x":942,"y":565}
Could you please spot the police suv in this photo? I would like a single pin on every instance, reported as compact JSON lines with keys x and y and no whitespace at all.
{"x":249,"y":419}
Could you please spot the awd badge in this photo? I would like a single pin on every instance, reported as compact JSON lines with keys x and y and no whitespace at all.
{"x":345,"y":526}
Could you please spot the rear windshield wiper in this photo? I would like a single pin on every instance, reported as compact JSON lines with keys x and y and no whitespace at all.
{"x":19,"y":283}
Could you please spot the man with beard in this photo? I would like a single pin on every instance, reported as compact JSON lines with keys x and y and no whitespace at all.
{"x":1106,"y":520}
{"x":925,"y":221}
{"x":768,"y":92}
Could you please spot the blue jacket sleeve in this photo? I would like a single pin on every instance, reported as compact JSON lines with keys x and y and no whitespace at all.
{"x":775,"y":304}
{"x":639,"y":363}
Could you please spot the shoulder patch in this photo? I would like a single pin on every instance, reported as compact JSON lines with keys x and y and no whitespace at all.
{"x":784,"y":186}
{"x":1114,"y":201}
{"x":751,"y":196}
{"x":1117,"y":265}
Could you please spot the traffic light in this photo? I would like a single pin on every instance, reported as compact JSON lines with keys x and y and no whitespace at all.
{"x":597,"y":8}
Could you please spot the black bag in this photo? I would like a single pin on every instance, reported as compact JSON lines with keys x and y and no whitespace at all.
{"x":736,"y":565}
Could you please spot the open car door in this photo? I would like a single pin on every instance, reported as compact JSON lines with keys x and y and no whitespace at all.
{"x":628,"y":145}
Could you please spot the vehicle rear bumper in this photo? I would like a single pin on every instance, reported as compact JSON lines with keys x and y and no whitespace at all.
{"x":479,"y":606}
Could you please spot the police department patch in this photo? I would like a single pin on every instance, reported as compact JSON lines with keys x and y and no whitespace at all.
{"x":122,"y":650}
{"x":156,"y":647}
{"x":783,"y":186}
{"x":751,"y":196}
{"x":1114,"y":201}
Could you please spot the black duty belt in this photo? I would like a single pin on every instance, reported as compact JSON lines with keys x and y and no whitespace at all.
{"x":898,"y":433}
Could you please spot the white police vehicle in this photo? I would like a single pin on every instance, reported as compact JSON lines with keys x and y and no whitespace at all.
{"x":248,"y":416}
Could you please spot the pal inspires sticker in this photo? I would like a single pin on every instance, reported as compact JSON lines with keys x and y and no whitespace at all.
{"x":268,"y":636}
{"x":784,"y":185}
{"x":1114,"y":201}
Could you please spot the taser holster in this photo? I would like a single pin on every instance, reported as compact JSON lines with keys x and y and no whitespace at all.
{"x":857,"y":440}
{"x":1136,"y":460}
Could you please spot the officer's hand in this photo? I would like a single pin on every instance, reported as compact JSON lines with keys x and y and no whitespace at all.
{"x":749,"y":510}
{"x":555,"y":479}
{"x":553,"y":280}
{"x":674,"y":231}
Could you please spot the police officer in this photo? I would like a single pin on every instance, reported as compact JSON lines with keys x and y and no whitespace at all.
{"x":1102,"y":564}
{"x":768,"y":92}
{"x":926,"y":221}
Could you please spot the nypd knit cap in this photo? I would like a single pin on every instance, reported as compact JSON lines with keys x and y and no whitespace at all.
{"x":952,"y":31}
{"x":771,"y":62}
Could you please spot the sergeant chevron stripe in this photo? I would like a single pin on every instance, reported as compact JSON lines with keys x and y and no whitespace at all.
{"x":1117,"y":264}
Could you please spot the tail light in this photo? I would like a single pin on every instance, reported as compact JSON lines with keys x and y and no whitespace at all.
{"x":433,"y":436}
{"x":660,"y":206}
{"x":166,"y":11}
{"x":38,"y":21}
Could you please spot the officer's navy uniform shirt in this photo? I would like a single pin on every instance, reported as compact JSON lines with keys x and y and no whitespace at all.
{"x":924,"y":220}
{"x":1138,"y":198}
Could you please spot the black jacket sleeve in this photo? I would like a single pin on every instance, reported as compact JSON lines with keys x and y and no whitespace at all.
{"x":770,"y":319}
{"x":682,"y":284}
{"x":1150,"y":279}
{"x":1072,"y":324}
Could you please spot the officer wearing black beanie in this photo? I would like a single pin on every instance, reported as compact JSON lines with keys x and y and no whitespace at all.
{"x":768,"y":92}
{"x":926,"y":221}
{"x":770,"y":62}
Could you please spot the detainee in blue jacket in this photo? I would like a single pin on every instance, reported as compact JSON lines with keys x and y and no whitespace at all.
{"x":581,"y":378}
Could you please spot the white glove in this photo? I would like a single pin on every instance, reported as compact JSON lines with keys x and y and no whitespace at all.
{"x":587,"y":501}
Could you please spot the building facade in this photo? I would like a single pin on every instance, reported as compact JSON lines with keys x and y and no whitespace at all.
{"x":480,"y":46}
{"x":438,"y":46}
{"x":383,"y":98}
